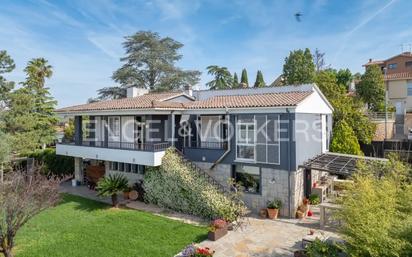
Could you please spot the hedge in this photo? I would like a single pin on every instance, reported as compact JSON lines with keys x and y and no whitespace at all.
{"x":177,"y":186}
{"x":53,"y":164}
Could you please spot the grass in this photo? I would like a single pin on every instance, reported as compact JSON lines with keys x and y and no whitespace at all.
{"x":82,"y":227}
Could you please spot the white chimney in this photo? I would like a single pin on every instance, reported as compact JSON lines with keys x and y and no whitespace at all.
{"x":188,"y":90}
{"x":136,"y":91}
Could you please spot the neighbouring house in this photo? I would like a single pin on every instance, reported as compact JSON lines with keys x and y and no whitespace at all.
{"x":397,"y":72}
{"x":261,"y":137}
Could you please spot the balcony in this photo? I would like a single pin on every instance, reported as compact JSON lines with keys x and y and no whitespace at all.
{"x":149,"y":154}
{"x":205,"y":151}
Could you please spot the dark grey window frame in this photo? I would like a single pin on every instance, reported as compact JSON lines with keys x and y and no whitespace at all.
{"x":260,"y":177}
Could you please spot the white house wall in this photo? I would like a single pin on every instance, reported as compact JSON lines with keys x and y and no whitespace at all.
{"x":314,"y":103}
{"x":117,"y":155}
{"x":308,"y":136}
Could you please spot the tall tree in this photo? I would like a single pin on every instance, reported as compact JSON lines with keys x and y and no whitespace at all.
{"x":22,"y":196}
{"x":235,"y":81}
{"x":6,"y":65}
{"x":319,"y":60}
{"x":259,"y":80}
{"x":31,"y":118}
{"x":344,"y":77}
{"x":346,"y":108}
{"x":150,"y":62}
{"x":222,"y":77}
{"x":244,"y":79}
{"x":299,"y":67}
{"x":371,"y":88}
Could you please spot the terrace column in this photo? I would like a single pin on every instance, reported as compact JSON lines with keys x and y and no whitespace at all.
{"x":78,"y":169}
{"x":78,"y":133}
{"x":173,"y":129}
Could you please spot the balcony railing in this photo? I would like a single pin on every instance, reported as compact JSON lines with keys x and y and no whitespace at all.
{"x":149,"y":147}
{"x":208,"y":145}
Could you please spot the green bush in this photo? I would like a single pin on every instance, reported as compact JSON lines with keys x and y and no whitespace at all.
{"x":314,"y":199}
{"x":319,"y":248}
{"x":53,"y":164}
{"x":178,"y":187}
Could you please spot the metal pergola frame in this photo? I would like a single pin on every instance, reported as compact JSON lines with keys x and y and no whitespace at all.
{"x":338,"y":164}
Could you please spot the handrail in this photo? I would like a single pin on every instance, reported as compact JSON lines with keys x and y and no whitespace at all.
{"x":378,"y":116}
{"x":208,"y":145}
{"x":150,"y":147}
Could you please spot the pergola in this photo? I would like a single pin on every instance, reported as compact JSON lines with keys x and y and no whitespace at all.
{"x":337,"y":163}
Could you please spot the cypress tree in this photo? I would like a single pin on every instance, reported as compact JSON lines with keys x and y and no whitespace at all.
{"x":259,"y":80}
{"x":244,"y":78}
{"x":235,"y":81}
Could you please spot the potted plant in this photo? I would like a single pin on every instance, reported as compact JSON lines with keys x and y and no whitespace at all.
{"x":111,"y":185}
{"x":217,"y":229}
{"x":273,"y":208}
{"x":194,"y":251}
{"x":203,"y":252}
{"x":314,"y":199}
{"x":126,"y":193}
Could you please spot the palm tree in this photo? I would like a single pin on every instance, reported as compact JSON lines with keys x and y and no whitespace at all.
{"x":38,"y":69}
{"x":223,"y":79}
{"x":111,"y":185}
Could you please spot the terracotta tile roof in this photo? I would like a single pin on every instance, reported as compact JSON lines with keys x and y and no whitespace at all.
{"x":153,"y":100}
{"x":377,"y":62}
{"x":400,"y":75}
{"x":258,"y":100}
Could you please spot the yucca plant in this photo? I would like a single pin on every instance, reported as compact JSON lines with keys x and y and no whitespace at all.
{"x":111,"y":185}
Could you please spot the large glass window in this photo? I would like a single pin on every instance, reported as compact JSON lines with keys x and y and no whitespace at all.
{"x":245,"y":141}
{"x":409,"y":88}
{"x":248,"y":177}
{"x":114,"y":128}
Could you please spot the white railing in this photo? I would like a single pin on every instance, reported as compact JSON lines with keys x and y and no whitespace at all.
{"x":380,"y":116}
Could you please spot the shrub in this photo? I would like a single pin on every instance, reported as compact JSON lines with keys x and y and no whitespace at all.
{"x":275,"y":204}
{"x":111,"y":185}
{"x":177,"y":186}
{"x":53,"y":164}
{"x":314,"y":199}
{"x":376,"y":211}
{"x":319,"y":248}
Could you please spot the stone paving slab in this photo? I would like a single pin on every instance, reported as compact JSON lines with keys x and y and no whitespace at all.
{"x":265,"y":238}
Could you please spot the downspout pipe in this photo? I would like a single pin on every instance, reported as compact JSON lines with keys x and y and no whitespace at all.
{"x":228,"y":143}
{"x":289,"y":161}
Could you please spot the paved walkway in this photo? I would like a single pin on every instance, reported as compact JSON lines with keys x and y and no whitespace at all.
{"x":266,"y":238}
{"x":258,"y":238}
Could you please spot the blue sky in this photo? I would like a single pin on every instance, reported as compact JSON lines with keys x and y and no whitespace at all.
{"x":82,"y":39}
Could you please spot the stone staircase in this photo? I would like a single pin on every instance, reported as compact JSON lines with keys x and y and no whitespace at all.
{"x":221,"y":188}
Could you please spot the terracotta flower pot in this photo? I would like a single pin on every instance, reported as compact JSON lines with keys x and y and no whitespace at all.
{"x":272,"y":213}
{"x":126,"y":195}
{"x":218,"y":233}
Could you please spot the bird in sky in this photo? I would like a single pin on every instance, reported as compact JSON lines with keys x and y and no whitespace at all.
{"x":298,"y":16}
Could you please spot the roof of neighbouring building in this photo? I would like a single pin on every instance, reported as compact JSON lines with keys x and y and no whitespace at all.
{"x":244,"y":101}
{"x":378,"y":62}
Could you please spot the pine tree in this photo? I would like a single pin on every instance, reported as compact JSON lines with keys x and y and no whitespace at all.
{"x":259,"y":80}
{"x":235,"y":81}
{"x":244,"y":79}
{"x":31,"y":118}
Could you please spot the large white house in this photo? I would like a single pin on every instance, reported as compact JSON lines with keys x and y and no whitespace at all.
{"x":258,"y":136}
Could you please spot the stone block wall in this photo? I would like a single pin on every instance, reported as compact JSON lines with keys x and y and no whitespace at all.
{"x":274,"y":185}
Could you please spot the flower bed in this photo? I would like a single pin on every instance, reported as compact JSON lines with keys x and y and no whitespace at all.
{"x":194,"y":251}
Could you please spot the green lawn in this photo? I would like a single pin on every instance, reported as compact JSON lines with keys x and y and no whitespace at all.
{"x":82,"y":227}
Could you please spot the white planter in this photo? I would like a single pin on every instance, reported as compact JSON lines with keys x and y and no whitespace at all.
{"x":74,"y":183}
